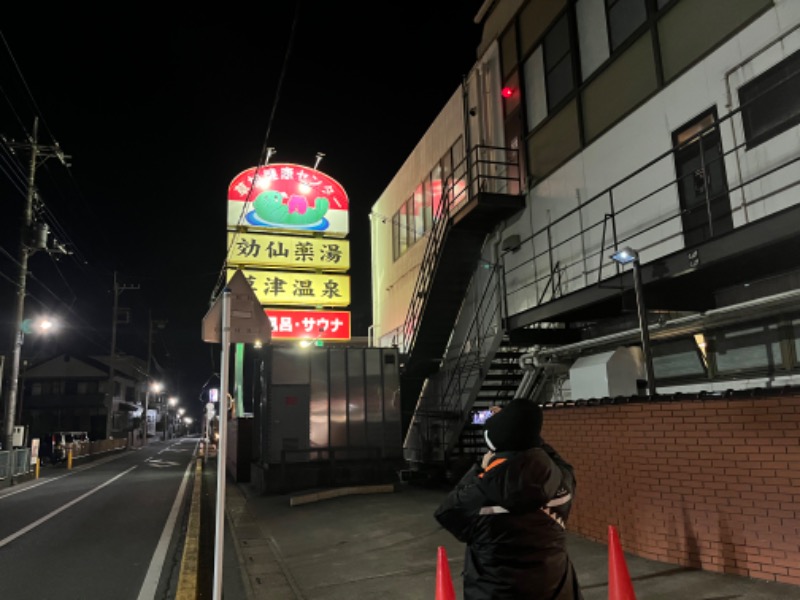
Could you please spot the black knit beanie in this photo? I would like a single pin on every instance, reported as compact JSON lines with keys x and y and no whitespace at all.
{"x":516,"y":427}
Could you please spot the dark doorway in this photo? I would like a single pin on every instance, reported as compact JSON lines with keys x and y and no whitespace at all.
{"x":702,"y":182}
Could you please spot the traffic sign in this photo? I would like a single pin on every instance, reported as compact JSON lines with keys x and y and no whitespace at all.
{"x":248,"y":321}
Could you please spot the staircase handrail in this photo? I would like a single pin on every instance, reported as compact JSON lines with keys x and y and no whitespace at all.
{"x":479,"y":168}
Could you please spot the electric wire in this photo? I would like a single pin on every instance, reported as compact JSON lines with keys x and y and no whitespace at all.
{"x":265,"y":149}
{"x":15,"y":174}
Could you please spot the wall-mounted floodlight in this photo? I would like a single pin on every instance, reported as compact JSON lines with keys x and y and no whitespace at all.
{"x":625,"y":256}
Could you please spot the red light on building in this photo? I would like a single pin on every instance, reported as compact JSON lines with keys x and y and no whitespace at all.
{"x":507,"y":92}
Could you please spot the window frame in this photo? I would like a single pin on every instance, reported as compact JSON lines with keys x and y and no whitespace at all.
{"x":756,"y":104}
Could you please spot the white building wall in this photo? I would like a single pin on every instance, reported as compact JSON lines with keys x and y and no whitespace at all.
{"x":640,"y":138}
{"x":393,"y":281}
{"x":635,"y":142}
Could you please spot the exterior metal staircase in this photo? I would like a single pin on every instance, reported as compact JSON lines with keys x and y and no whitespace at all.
{"x":457,"y":360}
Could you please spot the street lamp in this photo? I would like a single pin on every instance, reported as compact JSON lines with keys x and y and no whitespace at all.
{"x":179,"y":419}
{"x":42,"y":325}
{"x":155,"y":387}
{"x":625,"y":256}
{"x":172,"y":401}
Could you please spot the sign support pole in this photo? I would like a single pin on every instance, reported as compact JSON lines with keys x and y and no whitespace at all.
{"x":221,"y":449}
{"x":234,"y":317}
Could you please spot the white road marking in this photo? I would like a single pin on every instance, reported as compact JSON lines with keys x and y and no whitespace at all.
{"x":49,"y":516}
{"x":25,"y":486}
{"x":148,"y":591}
{"x":157,"y":462}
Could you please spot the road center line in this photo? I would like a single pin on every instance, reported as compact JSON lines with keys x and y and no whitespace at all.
{"x":49,"y":516}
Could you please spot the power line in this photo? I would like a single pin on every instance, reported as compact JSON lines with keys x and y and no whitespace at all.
{"x":266,"y":150}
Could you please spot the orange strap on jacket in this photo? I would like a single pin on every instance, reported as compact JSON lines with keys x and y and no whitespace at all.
{"x":492,"y":465}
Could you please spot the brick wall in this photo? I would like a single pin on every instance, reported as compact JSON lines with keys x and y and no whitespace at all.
{"x":712,"y":484}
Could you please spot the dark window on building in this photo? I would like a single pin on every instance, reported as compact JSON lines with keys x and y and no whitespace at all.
{"x":624,"y":17}
{"x":771,"y":102}
{"x":411,"y":229}
{"x":395,"y":236}
{"x":559,"y":79}
{"x":754,"y":348}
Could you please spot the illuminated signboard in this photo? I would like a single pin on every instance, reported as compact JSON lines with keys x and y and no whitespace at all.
{"x":290,"y":324}
{"x":288,"y":252}
{"x":298,"y":288}
{"x":287,"y":197}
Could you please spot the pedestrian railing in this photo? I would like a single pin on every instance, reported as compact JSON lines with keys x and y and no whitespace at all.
{"x":14,"y":463}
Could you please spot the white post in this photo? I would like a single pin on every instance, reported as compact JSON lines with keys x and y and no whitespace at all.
{"x":219,"y":539}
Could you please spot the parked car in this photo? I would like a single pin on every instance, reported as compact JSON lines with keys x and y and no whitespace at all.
{"x":60,"y":442}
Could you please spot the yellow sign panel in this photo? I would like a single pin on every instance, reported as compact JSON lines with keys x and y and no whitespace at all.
{"x":298,"y":288}
{"x":288,"y":252}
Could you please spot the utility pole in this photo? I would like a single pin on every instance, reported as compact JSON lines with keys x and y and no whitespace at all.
{"x":160,"y":323}
{"x":30,"y":241}
{"x":118,"y":289}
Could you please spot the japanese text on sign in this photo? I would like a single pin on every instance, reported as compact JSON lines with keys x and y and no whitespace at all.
{"x":298,"y":288}
{"x":289,"y":324}
{"x":284,"y":251}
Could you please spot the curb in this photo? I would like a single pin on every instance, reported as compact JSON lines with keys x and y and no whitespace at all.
{"x":187,"y":578}
{"x":343,"y":491}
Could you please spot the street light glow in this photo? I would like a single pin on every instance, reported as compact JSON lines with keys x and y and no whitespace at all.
{"x":625,"y":256}
{"x":39,"y":325}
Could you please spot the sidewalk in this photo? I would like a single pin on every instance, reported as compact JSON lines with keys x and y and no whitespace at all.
{"x":384,"y":545}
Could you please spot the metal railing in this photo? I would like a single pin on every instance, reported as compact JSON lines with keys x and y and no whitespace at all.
{"x":483,"y":169}
{"x":447,"y":396}
{"x":14,"y":463}
{"x":653,"y":221}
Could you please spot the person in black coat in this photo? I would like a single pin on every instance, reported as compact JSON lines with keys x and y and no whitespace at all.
{"x":511,"y":511}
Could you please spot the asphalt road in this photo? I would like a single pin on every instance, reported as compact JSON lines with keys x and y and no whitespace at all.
{"x":110,"y":528}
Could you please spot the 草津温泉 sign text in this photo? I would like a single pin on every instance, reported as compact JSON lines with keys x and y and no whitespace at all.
{"x":298,"y":288}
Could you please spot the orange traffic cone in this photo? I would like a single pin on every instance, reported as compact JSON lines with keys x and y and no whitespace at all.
{"x":444,"y":584}
{"x":620,"y":586}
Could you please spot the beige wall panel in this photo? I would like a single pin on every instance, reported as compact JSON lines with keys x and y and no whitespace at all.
{"x":693,"y":27}
{"x":616,"y":91}
{"x":534,"y":20}
{"x":556,"y":141}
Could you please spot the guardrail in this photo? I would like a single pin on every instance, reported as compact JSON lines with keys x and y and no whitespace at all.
{"x":18,"y":462}
{"x":15,"y":462}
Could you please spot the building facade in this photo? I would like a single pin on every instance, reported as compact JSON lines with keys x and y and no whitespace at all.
{"x":69,"y":393}
{"x":665,"y":127}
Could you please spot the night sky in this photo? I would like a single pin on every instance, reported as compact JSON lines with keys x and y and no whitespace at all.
{"x":159,"y":113}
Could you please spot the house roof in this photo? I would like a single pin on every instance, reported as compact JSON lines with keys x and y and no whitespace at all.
{"x":87,"y":367}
